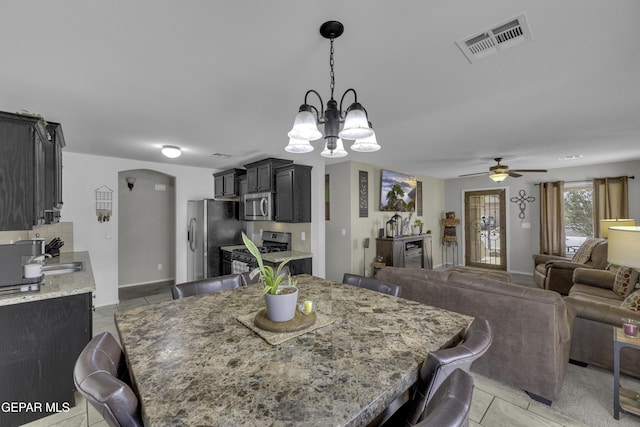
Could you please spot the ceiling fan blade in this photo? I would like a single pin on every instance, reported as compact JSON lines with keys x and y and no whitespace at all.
{"x":513,"y":174}
{"x":529,"y":170}
{"x":473,"y":174}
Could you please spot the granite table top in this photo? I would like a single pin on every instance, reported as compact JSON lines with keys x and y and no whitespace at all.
{"x":55,"y":286}
{"x":194,"y":363}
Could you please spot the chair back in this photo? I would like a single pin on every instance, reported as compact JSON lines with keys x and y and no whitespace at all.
{"x":206,"y":286}
{"x":372,"y":284}
{"x":101,"y":376}
{"x":441,"y":363}
{"x":451,"y":404}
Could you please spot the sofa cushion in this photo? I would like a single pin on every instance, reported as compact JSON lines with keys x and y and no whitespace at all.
{"x":632,"y":302}
{"x":625,"y":281}
{"x":606,"y":296}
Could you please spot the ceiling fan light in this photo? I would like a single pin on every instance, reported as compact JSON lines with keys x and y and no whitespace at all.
{"x":171,"y":151}
{"x":498,"y":176}
{"x":356,"y":125}
{"x":366,"y":145}
{"x":338,"y":152}
{"x":298,"y":146}
{"x":305,"y":126}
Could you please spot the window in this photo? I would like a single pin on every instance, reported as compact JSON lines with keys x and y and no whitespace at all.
{"x":578,"y":214}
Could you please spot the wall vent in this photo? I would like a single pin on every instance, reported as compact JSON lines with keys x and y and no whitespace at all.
{"x":484,"y":43}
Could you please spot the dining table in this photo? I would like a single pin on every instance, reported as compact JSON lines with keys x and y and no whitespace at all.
{"x":197,"y":361}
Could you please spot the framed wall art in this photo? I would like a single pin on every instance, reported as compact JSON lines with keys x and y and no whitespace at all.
{"x":363,"y":193}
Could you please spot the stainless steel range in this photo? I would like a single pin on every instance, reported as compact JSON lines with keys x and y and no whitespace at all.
{"x":272,"y":241}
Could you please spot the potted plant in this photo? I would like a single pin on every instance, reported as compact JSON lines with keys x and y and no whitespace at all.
{"x":417,"y":226}
{"x":281,"y":299}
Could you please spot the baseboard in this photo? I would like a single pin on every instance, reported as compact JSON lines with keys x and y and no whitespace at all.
{"x":130,"y":285}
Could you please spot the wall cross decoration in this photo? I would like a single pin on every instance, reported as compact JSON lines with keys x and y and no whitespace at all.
{"x":522,"y":200}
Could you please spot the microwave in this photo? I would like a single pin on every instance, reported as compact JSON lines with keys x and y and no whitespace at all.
{"x":258,"y":207}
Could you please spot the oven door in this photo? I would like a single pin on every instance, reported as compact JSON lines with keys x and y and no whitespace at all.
{"x":258,"y":207}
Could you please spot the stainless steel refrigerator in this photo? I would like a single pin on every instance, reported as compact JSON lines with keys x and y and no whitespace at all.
{"x":211,"y":225}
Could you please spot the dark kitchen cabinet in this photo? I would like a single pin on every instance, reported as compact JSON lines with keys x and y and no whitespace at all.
{"x":296,"y":266}
{"x":242,"y":190}
{"x":260,"y":174}
{"x":225,"y":184}
{"x":41,"y":342}
{"x":53,"y":146}
{"x":293,"y":193}
{"x":22,"y":171}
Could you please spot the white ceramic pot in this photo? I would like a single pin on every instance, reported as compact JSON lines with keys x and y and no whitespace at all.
{"x":282,"y":308}
{"x":31,"y":271}
{"x":416,"y":229}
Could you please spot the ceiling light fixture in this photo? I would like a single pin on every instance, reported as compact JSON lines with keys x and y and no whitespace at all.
{"x":171,"y":151}
{"x":357,"y":126}
{"x":499,"y":175}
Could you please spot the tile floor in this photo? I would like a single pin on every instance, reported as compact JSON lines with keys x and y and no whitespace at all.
{"x":491,"y":407}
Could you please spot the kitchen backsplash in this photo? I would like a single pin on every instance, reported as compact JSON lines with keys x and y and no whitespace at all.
{"x":63,"y":230}
{"x":296,"y":230}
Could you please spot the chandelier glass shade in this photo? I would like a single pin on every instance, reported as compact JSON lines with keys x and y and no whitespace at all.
{"x":356,"y":126}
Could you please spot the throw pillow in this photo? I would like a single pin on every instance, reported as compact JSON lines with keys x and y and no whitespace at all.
{"x":632,"y":302}
{"x":583,"y":254}
{"x":625,"y":281}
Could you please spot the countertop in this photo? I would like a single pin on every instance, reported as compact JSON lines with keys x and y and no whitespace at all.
{"x":61,"y":285}
{"x":207,"y":368}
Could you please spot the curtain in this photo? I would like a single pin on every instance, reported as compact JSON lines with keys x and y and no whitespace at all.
{"x":610,"y":200}
{"x":552,"y":237}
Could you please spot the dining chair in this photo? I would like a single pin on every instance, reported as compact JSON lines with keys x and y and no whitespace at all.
{"x":441,"y":363}
{"x":372,"y":284}
{"x":206,"y":286}
{"x":451,"y":403}
{"x":101,"y":376}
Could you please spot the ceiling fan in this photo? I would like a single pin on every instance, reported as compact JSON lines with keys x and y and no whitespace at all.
{"x":499,"y":172}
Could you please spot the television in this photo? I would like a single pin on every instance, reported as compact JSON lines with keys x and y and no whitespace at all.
{"x":397,"y":191}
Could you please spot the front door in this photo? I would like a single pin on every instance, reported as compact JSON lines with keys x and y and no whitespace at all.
{"x":485,"y":229}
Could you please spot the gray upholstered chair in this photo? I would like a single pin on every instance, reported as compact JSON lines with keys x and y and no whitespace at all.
{"x":451,"y":403}
{"x":372,"y":284}
{"x":440,"y":363}
{"x":207,"y":286}
{"x":101,"y":376}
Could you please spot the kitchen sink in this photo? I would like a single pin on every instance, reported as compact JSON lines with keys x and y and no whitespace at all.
{"x":62,"y":268}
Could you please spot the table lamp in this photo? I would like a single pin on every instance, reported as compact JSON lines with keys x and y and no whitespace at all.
{"x":624,"y":246}
{"x":606,"y":223}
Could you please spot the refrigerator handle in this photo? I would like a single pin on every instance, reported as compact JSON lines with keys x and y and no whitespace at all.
{"x":191,"y":234}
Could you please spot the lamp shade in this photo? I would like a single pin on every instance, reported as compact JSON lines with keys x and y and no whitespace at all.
{"x":606,"y":223}
{"x":305,"y":127}
{"x":366,"y":145}
{"x":339,"y":151}
{"x":356,"y":125}
{"x":624,"y":246}
{"x":498,"y":176}
{"x":171,"y":151}
{"x":298,"y":146}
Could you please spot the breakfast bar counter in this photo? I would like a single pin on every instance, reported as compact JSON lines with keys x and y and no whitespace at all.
{"x":194,"y":363}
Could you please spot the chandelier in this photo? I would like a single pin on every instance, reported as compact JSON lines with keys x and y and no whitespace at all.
{"x":356,"y":125}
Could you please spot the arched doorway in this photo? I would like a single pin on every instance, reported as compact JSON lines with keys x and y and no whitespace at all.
{"x":146,"y":229}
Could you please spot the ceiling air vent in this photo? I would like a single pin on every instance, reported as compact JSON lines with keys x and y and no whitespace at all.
{"x":503,"y":36}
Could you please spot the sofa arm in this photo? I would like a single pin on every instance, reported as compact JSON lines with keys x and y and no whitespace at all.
{"x":600,"y":312}
{"x":564,"y":265}
{"x":543,"y":258}
{"x":593,"y":277}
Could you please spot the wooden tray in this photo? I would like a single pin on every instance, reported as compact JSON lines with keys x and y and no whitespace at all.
{"x":300,"y":321}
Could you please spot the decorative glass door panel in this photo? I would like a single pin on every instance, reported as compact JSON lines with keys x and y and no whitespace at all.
{"x":485,"y":229}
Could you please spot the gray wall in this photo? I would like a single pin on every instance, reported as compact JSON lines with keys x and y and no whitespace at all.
{"x":146,"y":230}
{"x":523,"y":242}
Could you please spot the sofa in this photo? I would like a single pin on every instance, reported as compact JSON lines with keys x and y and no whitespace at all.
{"x":555,"y":273}
{"x":531,"y":327}
{"x":598,"y":309}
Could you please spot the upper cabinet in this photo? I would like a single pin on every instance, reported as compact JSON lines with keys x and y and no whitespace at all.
{"x":225,"y":184}
{"x":53,"y":171}
{"x":293,"y":193}
{"x":22,"y":171}
{"x":260,"y":174}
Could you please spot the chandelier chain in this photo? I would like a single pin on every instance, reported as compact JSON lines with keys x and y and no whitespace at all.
{"x":332,"y":74}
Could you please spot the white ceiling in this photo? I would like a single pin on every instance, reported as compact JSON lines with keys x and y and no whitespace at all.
{"x":125,"y":77}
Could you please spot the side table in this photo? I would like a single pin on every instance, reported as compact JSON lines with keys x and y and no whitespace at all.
{"x":623,"y":399}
